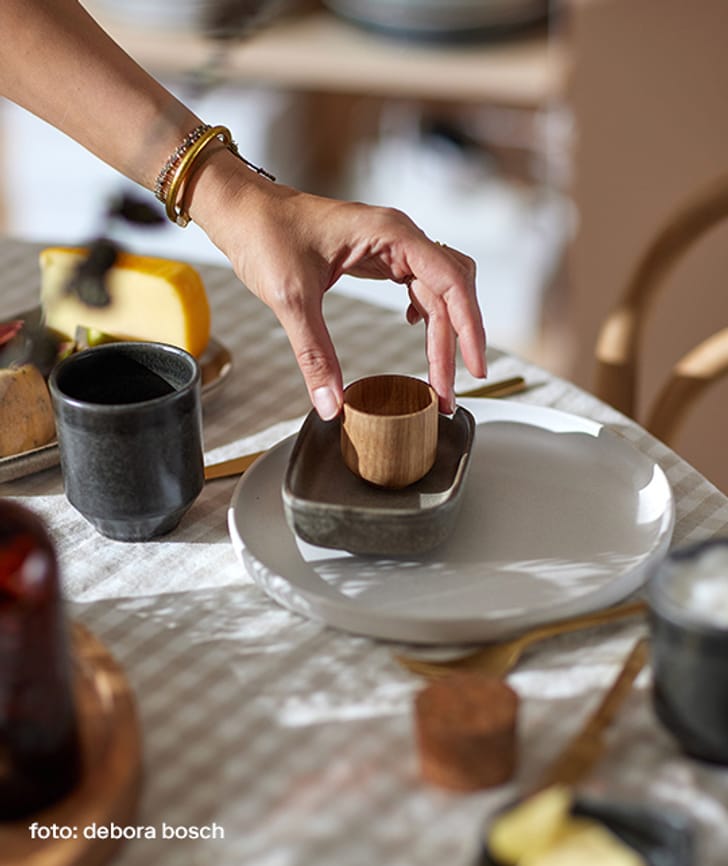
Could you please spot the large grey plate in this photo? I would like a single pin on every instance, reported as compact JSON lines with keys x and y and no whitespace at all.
{"x":327,"y":505}
{"x":560,"y":516}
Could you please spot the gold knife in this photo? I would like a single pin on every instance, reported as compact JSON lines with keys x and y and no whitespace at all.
{"x":238,"y":465}
{"x":235,"y":466}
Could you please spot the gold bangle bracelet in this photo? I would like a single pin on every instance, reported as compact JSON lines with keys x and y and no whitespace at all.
{"x":184,"y":169}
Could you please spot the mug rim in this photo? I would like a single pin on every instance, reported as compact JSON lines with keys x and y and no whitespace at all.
{"x":108,"y":348}
{"x":366,"y":413}
{"x":664,"y":608}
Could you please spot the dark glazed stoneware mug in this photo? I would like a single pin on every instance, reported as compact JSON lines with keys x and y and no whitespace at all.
{"x":688,"y":612}
{"x":129,"y":424}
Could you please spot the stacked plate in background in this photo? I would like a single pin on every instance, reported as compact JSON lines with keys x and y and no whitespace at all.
{"x":443,"y":20}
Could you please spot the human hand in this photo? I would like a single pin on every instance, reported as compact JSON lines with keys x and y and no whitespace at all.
{"x":290,"y":247}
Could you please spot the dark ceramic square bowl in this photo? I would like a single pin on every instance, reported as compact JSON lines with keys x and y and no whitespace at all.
{"x":327,"y":505}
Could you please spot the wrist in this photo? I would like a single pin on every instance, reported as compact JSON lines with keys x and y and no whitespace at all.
{"x":179,"y":178}
{"x":223,"y":191}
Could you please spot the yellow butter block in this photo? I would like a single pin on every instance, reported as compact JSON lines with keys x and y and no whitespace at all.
{"x":531,"y":826}
{"x":541,"y":831}
{"x":151,"y":299}
{"x":585,"y":843}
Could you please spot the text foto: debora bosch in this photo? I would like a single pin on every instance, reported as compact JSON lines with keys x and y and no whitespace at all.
{"x":125,"y":831}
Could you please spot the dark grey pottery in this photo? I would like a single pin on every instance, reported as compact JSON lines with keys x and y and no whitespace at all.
{"x":689,"y":661}
{"x":129,"y":425}
{"x":327,"y":505}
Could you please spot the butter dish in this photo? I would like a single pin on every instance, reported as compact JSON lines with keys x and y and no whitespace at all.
{"x":327,"y":505}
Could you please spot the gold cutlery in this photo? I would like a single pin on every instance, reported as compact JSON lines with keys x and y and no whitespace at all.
{"x":238,"y":465}
{"x":585,"y":749}
{"x":502,"y":388}
{"x":500,"y":657}
{"x":544,"y":814}
{"x":234,"y":466}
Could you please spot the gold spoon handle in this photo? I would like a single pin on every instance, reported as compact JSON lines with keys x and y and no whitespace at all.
{"x":582,"y":753}
{"x":586,"y":620}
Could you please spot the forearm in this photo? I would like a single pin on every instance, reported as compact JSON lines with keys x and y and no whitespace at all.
{"x":59,"y":64}
{"x":286,"y":246}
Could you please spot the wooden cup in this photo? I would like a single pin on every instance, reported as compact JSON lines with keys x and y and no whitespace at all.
{"x":389,"y":430}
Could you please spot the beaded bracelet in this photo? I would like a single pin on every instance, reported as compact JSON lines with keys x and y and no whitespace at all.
{"x":178,"y":169}
{"x":163,"y":178}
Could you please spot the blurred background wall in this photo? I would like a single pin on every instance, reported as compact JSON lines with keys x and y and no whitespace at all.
{"x":647,"y":89}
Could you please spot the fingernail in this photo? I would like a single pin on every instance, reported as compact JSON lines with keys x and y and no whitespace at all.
{"x":326,"y":403}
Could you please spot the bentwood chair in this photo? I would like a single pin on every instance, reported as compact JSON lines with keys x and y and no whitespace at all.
{"x":620,"y":337}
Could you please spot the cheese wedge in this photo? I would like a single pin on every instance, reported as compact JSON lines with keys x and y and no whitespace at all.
{"x":151,"y":299}
{"x":26,"y":412}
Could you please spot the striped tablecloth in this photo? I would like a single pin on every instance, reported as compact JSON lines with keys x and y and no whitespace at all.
{"x":295,"y":740}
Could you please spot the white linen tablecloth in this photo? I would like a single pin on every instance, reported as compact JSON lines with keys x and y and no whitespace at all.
{"x":296,"y":739}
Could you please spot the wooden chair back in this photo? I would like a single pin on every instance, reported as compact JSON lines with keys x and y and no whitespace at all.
{"x":620,"y":337}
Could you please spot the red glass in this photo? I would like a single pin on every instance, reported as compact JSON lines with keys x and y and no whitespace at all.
{"x":39,"y":746}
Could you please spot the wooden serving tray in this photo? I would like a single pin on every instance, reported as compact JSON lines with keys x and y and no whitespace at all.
{"x":110,"y":781}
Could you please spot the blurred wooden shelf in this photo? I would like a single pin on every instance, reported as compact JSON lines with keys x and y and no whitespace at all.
{"x":316,"y":51}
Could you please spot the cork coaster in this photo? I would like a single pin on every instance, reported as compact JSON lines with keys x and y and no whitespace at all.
{"x":466,"y":731}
